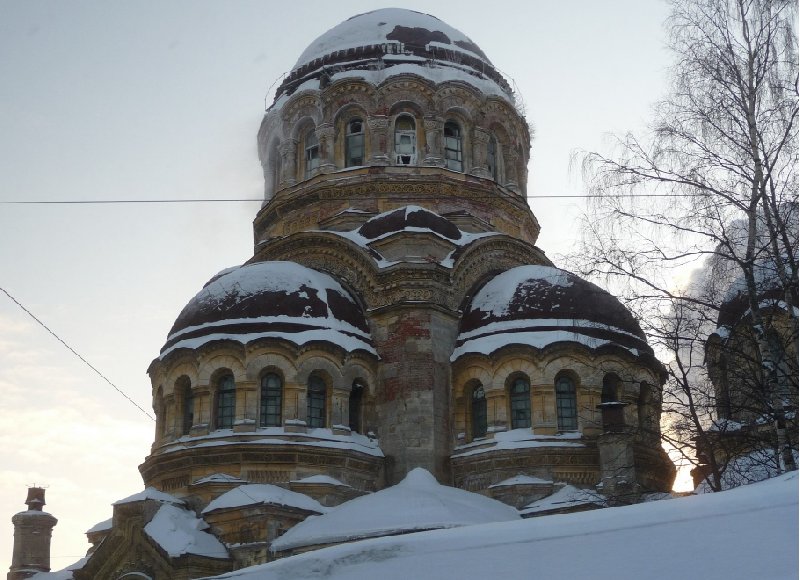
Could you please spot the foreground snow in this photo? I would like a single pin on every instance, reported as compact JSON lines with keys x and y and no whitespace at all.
{"x":748,"y":532}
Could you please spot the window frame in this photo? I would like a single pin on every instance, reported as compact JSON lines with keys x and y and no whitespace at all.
{"x":491,"y":157}
{"x":225,"y":412}
{"x":316,"y":400}
{"x":519,"y":397}
{"x":354,"y":139}
{"x":566,"y":404}
{"x":311,"y":153}
{"x":478,"y":410}
{"x":453,"y":156}
{"x":411,"y":134}
{"x":355,"y":406}
{"x":264,"y":413}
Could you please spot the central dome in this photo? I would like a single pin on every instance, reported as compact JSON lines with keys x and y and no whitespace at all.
{"x":393,"y":41}
{"x":386,"y":26}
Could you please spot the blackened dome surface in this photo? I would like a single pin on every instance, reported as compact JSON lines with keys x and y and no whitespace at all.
{"x":270,"y":299}
{"x":410,"y":216}
{"x":543,"y":305}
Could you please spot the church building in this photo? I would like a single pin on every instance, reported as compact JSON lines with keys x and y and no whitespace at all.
{"x":396,"y":318}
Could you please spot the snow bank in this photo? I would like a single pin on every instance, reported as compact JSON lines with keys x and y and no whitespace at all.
{"x":749,"y":532}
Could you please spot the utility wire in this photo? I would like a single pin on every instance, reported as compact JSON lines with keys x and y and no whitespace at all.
{"x":379,"y":196}
{"x":72,"y":350}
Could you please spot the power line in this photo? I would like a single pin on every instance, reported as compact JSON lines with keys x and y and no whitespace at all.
{"x":72,"y":350}
{"x":373,"y":196}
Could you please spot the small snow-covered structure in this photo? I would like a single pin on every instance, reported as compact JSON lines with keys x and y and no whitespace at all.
{"x":415,"y":504}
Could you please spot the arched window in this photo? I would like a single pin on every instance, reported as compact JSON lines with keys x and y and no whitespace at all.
{"x":520,"y":403}
{"x":491,"y":157}
{"x":453,"y":146}
{"x":226,"y":402}
{"x":478,"y":412}
{"x":311,"y":144}
{"x":271,"y":399}
{"x":405,"y":141}
{"x":354,"y":143}
{"x":611,"y":384}
{"x":315,"y":402}
{"x":187,"y":410}
{"x":566,"y":405}
{"x":356,"y":396}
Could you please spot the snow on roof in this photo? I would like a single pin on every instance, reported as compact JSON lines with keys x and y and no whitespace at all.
{"x":749,"y":532}
{"x":178,"y":531}
{"x":65,"y":574}
{"x":271,"y":299}
{"x":376,"y":27}
{"x":319,"y":437}
{"x":153,"y":494}
{"x":101,"y":526}
{"x":347,"y":342}
{"x":517,"y":439}
{"x":418,"y":502}
{"x":321,"y":479}
{"x":496,"y":295}
{"x":219,"y":478}
{"x":432,"y":72}
{"x":256,"y":494}
{"x":415,"y":219}
{"x":566,"y":497}
{"x":488,"y":344}
{"x":521,"y":480}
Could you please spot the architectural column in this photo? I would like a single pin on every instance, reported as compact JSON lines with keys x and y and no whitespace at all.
{"x":340,"y":411}
{"x":510,"y":158}
{"x":288,"y":150}
{"x":169,"y":417}
{"x":294,"y":407}
{"x":480,"y":143}
{"x":378,"y":140}
{"x":543,"y":404}
{"x":434,"y":155}
{"x":324,"y":133}
{"x":497,"y":416}
{"x":246,"y":407}
{"x":202,"y":411}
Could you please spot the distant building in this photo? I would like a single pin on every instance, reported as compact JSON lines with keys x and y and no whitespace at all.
{"x":755,"y":379}
{"x":396,"y":314}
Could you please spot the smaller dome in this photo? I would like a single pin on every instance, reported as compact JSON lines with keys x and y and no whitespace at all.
{"x":410,"y":216}
{"x":542,"y":305}
{"x":415,"y":504}
{"x":271,"y":300}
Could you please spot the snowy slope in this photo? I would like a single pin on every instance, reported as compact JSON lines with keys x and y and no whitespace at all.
{"x":746,"y":533}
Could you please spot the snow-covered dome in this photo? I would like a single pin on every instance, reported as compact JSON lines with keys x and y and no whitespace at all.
{"x":394,"y":41}
{"x":542,"y":305}
{"x":271,"y":300}
{"x":417,"y":503}
{"x":387,"y":25}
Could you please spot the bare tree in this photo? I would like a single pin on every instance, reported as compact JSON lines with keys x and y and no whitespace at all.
{"x":719,"y":178}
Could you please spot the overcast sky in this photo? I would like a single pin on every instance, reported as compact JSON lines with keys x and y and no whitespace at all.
{"x":113,"y":100}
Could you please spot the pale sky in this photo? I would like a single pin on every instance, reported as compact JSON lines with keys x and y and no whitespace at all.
{"x":109,"y":100}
